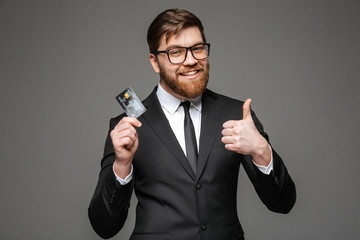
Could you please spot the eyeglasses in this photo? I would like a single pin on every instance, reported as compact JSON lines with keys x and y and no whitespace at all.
{"x":178,"y":55}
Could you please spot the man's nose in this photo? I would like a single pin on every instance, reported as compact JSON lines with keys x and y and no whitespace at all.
{"x":190,"y":60}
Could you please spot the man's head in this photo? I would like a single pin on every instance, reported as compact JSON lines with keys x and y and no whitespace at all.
{"x":187,"y":77}
{"x":171,"y":22}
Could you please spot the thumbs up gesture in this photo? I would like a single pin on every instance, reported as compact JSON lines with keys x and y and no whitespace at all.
{"x":241,"y":136}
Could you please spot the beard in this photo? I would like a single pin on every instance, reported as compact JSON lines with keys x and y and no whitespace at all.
{"x":186,"y":88}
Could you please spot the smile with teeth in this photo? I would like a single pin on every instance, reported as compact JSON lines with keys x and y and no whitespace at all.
{"x":190,"y":73}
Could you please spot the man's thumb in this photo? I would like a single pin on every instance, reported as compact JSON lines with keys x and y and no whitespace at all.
{"x":246,"y":109}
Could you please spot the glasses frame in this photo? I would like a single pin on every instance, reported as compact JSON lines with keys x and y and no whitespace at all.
{"x":187,"y":49}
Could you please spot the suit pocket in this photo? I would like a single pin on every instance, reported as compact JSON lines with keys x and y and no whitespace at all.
{"x":150,"y":236}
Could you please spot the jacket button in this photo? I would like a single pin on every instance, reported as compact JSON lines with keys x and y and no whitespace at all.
{"x":203,"y":227}
{"x":198,"y":186}
{"x":276,"y":181}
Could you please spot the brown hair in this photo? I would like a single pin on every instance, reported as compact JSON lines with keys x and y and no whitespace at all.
{"x":171,"y":22}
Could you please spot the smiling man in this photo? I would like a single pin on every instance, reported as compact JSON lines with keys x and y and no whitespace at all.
{"x":182,"y":156}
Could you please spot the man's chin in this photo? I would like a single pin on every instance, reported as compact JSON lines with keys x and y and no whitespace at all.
{"x":191,"y":88}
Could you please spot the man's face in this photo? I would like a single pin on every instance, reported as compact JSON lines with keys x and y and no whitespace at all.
{"x":187,"y":79}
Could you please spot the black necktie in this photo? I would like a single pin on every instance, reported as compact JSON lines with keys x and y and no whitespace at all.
{"x":190,"y":138}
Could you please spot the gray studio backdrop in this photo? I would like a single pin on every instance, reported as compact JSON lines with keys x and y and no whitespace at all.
{"x":63,"y":62}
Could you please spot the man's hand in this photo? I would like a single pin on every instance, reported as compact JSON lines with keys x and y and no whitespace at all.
{"x":242,"y":137}
{"x":125,"y":141}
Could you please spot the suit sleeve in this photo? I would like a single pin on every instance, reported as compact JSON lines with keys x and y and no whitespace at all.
{"x":109,"y":205}
{"x":276,"y":190}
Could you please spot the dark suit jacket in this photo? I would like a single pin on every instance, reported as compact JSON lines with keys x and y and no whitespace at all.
{"x":173,"y":202}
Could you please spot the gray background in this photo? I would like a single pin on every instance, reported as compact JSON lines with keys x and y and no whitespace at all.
{"x":63,"y":62}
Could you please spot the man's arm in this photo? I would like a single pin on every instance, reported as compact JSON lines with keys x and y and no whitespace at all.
{"x":276,"y":190}
{"x":247,"y":137}
{"x":109,"y":206}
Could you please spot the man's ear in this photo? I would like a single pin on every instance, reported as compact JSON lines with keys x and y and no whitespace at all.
{"x":154,"y":63}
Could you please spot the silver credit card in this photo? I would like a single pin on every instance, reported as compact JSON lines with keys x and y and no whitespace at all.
{"x":130,"y":103}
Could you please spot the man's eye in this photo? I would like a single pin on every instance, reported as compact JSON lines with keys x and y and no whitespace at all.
{"x":175,"y":52}
{"x":198,"y":49}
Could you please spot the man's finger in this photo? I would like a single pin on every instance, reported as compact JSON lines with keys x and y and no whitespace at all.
{"x":227,"y":132}
{"x":229,"y":124}
{"x":128,"y":120}
{"x":246,"y":109}
{"x":227,"y":140}
{"x":133,"y":121}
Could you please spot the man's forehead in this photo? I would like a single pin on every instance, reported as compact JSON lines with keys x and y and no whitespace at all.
{"x":177,"y":38}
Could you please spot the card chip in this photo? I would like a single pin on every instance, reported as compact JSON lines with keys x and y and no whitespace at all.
{"x":126,"y":95}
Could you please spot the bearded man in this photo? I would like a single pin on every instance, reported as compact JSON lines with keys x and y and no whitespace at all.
{"x":182,"y":156}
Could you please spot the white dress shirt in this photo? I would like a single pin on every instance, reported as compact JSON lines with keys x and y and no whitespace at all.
{"x":175,"y":115}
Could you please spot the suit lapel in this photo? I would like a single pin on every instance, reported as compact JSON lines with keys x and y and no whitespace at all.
{"x":161,"y":127}
{"x":210,"y":123}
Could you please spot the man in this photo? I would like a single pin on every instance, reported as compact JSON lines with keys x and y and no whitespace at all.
{"x":183,"y":161}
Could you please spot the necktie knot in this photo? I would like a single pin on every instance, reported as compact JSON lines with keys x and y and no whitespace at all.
{"x":186,"y":105}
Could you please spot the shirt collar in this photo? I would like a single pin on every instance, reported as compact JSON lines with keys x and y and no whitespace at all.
{"x":171,"y":103}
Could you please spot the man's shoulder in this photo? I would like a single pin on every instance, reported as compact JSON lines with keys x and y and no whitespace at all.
{"x":221,"y":98}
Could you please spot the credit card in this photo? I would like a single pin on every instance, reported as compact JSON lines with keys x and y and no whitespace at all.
{"x":130,"y":103}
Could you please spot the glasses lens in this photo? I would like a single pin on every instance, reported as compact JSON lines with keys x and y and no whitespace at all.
{"x":200,"y":51}
{"x":177,"y":55}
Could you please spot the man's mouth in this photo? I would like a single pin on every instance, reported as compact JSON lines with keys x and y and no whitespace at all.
{"x":191,"y":74}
